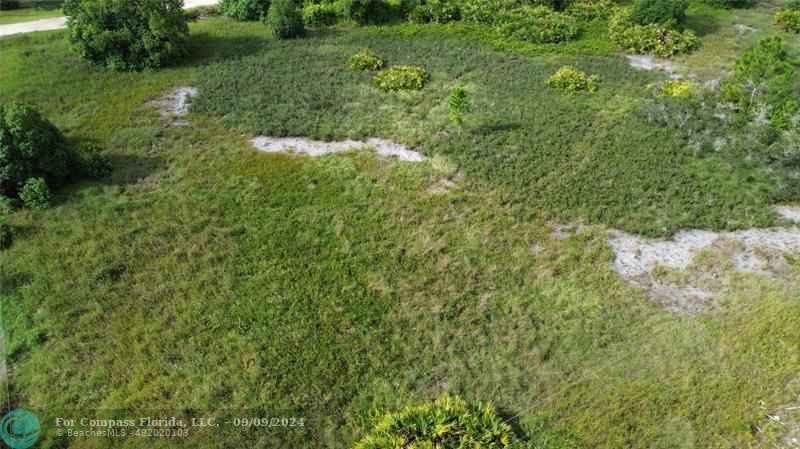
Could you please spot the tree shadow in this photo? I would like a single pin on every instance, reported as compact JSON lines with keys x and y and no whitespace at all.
{"x":702,"y":25}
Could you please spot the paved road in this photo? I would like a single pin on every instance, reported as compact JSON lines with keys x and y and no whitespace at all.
{"x":58,"y":23}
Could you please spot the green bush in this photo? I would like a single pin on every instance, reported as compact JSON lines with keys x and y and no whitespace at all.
{"x":435,"y":11}
{"x":762,"y":75}
{"x":318,"y":15}
{"x":486,"y":11}
{"x":794,"y":5}
{"x":96,"y":165}
{"x":6,"y":5}
{"x":244,"y":9}
{"x":365,"y":61}
{"x":31,"y":147}
{"x":646,"y":12}
{"x":35,"y":195}
{"x":677,"y":89}
{"x":6,"y":205}
{"x":400,"y":77}
{"x":448,"y":423}
{"x":284,"y":20}
{"x":661,"y":40}
{"x":458,"y":105}
{"x":786,"y":116}
{"x":127,"y":35}
{"x":359,"y":11}
{"x":787,"y":20}
{"x":570,"y":80}
{"x":538,"y":25}
{"x":6,"y":233}
{"x":590,"y":9}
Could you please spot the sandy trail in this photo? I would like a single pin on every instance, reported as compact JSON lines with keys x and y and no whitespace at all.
{"x":58,"y":23}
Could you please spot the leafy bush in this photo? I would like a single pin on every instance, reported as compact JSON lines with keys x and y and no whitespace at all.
{"x":127,"y":35}
{"x":31,"y":147}
{"x":6,"y":5}
{"x":762,"y":75}
{"x":446,"y":423}
{"x":435,"y":11}
{"x":458,"y":105}
{"x":97,"y":165}
{"x":787,"y":20}
{"x":35,"y":195}
{"x":244,"y":9}
{"x":400,"y":77}
{"x":794,"y":5}
{"x":661,"y":40}
{"x":6,"y":233}
{"x":786,"y":116}
{"x":284,"y":20}
{"x":646,"y":12}
{"x":570,"y":80}
{"x":318,"y":15}
{"x":6,"y":205}
{"x":539,"y":25}
{"x":677,"y":89}
{"x":365,"y":60}
{"x":486,"y":11}
{"x":590,"y":9}
{"x":363,"y":11}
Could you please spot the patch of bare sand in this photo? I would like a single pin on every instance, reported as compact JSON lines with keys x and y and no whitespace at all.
{"x":314,"y":148}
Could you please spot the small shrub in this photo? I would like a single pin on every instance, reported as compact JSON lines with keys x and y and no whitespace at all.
{"x":590,"y":9}
{"x":35,"y":195}
{"x":6,"y":233}
{"x":794,"y":5}
{"x":6,"y":5}
{"x":284,"y":20}
{"x":31,"y":147}
{"x":486,"y":11}
{"x":786,"y":116}
{"x":365,"y":61}
{"x":358,"y":11}
{"x":677,"y":89}
{"x":661,"y":40}
{"x":646,"y":12}
{"x":458,"y":105}
{"x":538,"y":25}
{"x":445,"y":423}
{"x":318,"y":15}
{"x":6,"y":205}
{"x":127,"y":35}
{"x":97,"y":165}
{"x":787,"y":20}
{"x":244,"y":9}
{"x":570,"y":80}
{"x":400,"y":77}
{"x":762,"y":75}
{"x":435,"y":11}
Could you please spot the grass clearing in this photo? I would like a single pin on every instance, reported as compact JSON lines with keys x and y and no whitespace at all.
{"x":203,"y":273}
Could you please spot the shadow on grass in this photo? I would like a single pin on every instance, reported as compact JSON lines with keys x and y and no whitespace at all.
{"x":702,"y":25}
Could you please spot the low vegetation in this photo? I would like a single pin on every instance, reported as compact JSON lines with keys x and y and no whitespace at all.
{"x":400,"y":77}
{"x":365,"y":60}
{"x":35,"y":194}
{"x":129,"y":35}
{"x":343,"y":290}
{"x":659,"y":39}
{"x":788,"y":18}
{"x":570,"y":80}
{"x":244,"y":9}
{"x":445,"y":423}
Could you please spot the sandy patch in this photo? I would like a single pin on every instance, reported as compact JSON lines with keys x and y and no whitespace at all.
{"x":743,"y":29}
{"x":639,"y":259}
{"x":647,"y":62}
{"x":175,"y":106}
{"x":791,"y":213}
{"x":314,"y":148}
{"x":441,"y":187}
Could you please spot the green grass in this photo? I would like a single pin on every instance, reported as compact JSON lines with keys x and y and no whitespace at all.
{"x":32,"y":10}
{"x":205,"y":275}
{"x":595,"y":158}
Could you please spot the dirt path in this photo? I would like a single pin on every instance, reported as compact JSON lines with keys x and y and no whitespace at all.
{"x":58,"y":23}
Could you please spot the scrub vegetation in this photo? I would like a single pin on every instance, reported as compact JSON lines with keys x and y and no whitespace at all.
{"x":190,"y":271}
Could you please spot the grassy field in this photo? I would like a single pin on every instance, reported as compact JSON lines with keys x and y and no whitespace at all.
{"x":32,"y":10}
{"x":204,"y":275}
